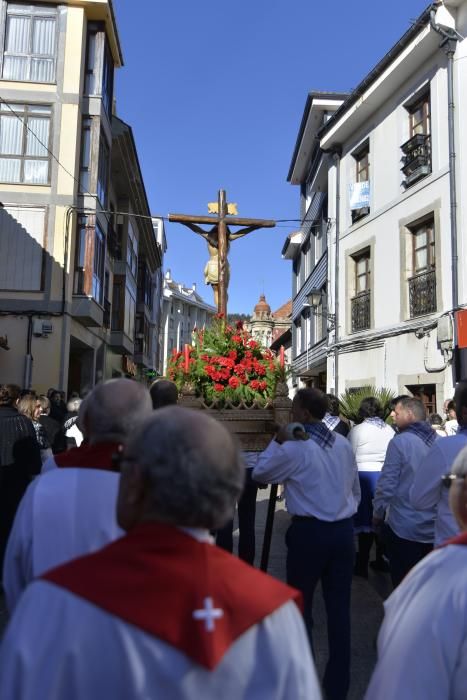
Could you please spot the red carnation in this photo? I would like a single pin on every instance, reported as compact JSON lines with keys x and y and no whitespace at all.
{"x":255,"y":384}
{"x":219,"y":387}
{"x":234,"y":382}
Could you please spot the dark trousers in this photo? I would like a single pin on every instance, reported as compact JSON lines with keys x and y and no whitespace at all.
{"x":246,"y":523}
{"x":402,"y":554}
{"x":318,"y":550}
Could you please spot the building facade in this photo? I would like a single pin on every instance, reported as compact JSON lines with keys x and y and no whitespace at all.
{"x":395,"y":276}
{"x":183,"y":312}
{"x":72,"y":196}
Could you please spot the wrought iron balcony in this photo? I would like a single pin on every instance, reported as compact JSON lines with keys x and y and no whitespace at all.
{"x":361,"y":311}
{"x":422,"y":293}
{"x":417,"y":158}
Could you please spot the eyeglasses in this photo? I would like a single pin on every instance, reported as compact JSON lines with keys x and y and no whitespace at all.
{"x":448,"y":479}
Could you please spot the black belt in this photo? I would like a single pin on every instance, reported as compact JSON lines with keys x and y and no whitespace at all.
{"x":304,"y":517}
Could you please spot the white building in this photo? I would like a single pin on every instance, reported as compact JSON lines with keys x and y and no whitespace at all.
{"x":183,"y":312}
{"x":394,"y":291}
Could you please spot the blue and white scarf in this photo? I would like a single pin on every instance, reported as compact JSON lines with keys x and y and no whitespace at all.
{"x":331,"y":422}
{"x":320,"y":434}
{"x":422,"y":430}
{"x":377,"y":422}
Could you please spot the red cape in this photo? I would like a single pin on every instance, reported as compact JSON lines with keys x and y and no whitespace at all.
{"x":157,"y":577}
{"x":98,"y":456}
{"x":460,"y":539}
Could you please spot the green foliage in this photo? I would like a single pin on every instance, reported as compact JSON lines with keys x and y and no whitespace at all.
{"x":350,"y":401}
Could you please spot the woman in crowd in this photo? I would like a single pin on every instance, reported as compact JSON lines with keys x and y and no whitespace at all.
{"x":19,"y":459}
{"x":30,"y":406}
{"x":369,"y":439}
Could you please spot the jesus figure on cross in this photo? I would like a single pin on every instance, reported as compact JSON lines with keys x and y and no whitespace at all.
{"x":218,"y":237}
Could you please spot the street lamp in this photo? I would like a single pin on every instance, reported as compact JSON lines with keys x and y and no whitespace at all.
{"x":315,"y":298}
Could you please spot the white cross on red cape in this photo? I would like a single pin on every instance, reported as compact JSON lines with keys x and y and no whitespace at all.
{"x":157,"y":576}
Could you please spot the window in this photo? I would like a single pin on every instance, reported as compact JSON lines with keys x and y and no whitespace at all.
{"x":30,"y":43}
{"x":85,"y":159}
{"x":426,"y":394}
{"x":89,"y":259}
{"x":98,"y":265}
{"x":145,"y":286}
{"x":22,"y":248}
{"x":117,"y":303}
{"x":360,"y":191}
{"x":320,"y":318}
{"x":361,"y":301}
{"x":130,"y":310}
{"x":423,"y":246}
{"x":132,"y":250}
{"x":422,"y":283}
{"x":99,"y":66}
{"x":142,"y":337}
{"x":419,"y":116}
{"x":24,"y":140}
{"x":103,"y":171}
{"x":362,"y":273}
{"x":417,"y":150}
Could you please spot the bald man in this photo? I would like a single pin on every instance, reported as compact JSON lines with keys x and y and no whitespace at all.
{"x":70,"y":509}
{"x":422,"y":644}
{"x":162,"y":612}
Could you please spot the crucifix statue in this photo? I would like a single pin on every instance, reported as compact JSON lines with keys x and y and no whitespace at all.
{"x":218,"y":237}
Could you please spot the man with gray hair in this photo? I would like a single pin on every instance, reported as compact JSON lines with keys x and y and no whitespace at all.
{"x":70,"y":509}
{"x":423,"y":639}
{"x":407,"y":532}
{"x":177,"y":616}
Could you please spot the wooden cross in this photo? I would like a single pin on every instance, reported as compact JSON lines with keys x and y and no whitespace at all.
{"x":218,"y":239}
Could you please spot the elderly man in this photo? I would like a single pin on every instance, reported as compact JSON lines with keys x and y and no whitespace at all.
{"x":427,"y":489}
{"x":162,"y":612}
{"x":322,"y":493}
{"x":408,"y":533}
{"x":70,"y":510}
{"x":423,"y":640}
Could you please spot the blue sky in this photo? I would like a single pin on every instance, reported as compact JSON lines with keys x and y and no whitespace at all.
{"x":215,"y":92}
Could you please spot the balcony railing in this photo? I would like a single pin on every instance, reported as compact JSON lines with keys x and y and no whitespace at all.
{"x":361,"y":312}
{"x":417,"y":158}
{"x":422,"y":293}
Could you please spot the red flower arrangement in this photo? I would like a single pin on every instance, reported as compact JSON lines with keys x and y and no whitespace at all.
{"x":226,"y":365}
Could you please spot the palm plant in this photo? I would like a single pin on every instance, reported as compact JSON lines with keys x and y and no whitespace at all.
{"x":351,"y":399}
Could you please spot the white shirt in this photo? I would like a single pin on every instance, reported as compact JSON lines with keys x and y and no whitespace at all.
{"x":322,"y":482}
{"x":422,"y":644}
{"x":369,"y":443}
{"x":61,"y":647}
{"x":406,"y":453}
{"x":427,"y":490}
{"x":63,"y":514}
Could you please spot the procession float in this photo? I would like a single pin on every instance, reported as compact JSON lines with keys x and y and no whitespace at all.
{"x":225,"y":371}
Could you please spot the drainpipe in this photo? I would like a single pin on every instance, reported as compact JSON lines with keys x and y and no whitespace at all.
{"x":27,"y":376}
{"x":337,"y":162}
{"x":449,"y":44}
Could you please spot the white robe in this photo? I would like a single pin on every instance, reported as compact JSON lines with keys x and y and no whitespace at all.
{"x":61,"y":647}
{"x":422,"y":644}
{"x":64,"y":513}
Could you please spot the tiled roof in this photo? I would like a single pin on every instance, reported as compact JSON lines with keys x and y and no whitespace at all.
{"x":284,"y":310}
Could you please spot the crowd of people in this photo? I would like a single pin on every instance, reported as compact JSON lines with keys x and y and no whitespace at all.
{"x":110,"y":511}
